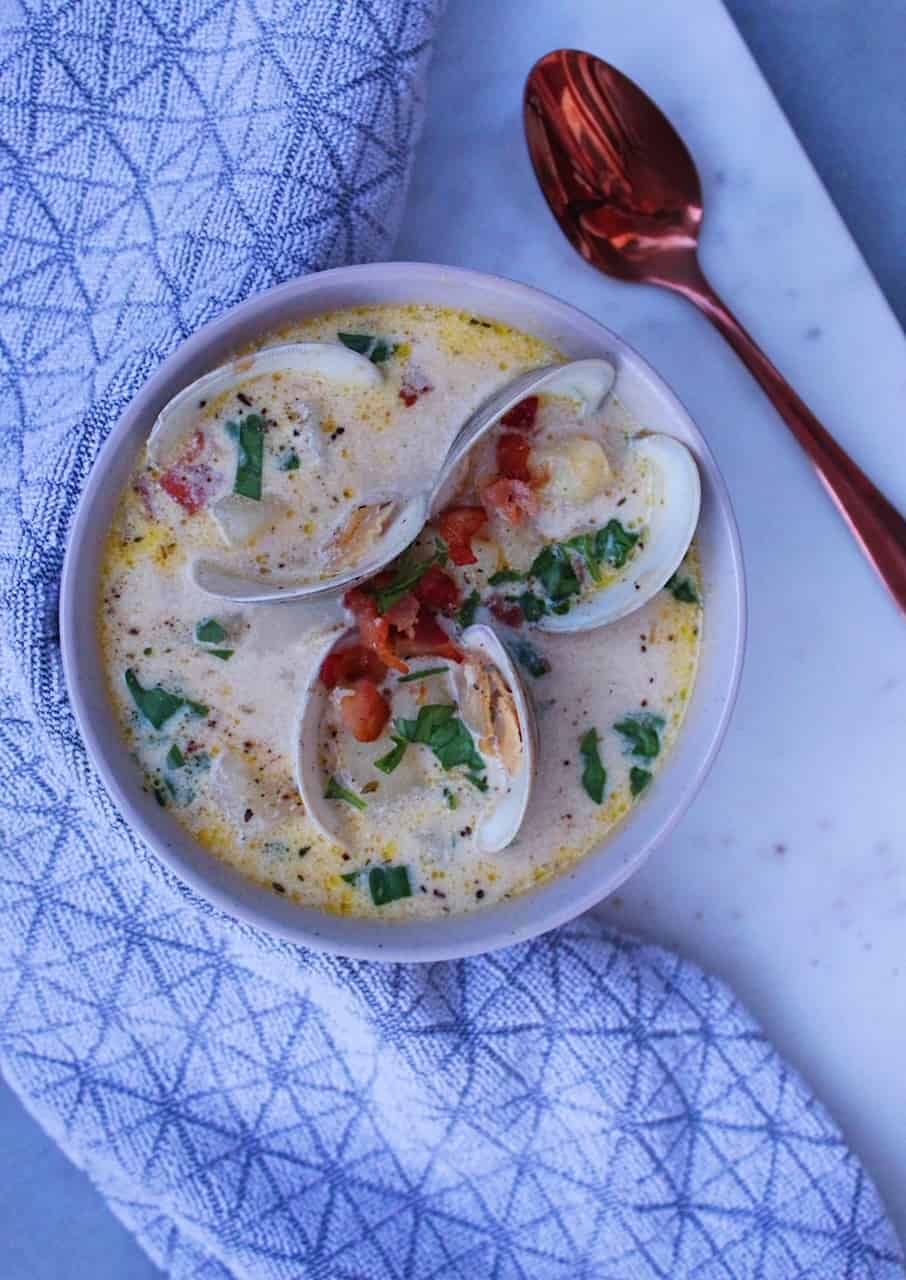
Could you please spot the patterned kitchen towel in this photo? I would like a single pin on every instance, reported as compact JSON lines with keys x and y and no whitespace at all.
{"x":581,"y":1106}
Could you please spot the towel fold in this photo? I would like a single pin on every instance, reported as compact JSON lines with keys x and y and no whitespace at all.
{"x":580,"y":1106}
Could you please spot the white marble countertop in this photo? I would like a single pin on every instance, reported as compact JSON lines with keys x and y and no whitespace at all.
{"x":788,"y":876}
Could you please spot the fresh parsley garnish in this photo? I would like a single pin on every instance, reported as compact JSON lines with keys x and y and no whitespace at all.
{"x":409,"y":572}
{"x":532,"y":606}
{"x":554,"y":570}
{"x":594,"y":775}
{"x":386,"y":884}
{"x":638,"y":779}
{"x":209,"y":631}
{"x":421,"y":675}
{"x":613,"y":543}
{"x":366,"y":344}
{"x":641,"y":730}
{"x":465,"y":614}
{"x":250,"y":457}
{"x":393,"y":758}
{"x":157,"y":705}
{"x":449,"y":739}
{"x":334,"y":791}
{"x":682,"y":589}
{"x":535,"y":663}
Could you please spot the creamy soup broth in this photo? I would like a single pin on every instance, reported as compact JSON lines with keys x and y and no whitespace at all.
{"x":207,"y":692}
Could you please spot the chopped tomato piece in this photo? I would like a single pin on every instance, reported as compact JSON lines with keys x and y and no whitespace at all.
{"x":438,"y":590}
{"x":188,"y":485}
{"x":522,"y":415}
{"x":414,"y":384}
{"x":365,"y":711}
{"x":345,"y":666}
{"x":512,"y":456}
{"x":458,"y":527}
{"x":506,"y":611}
{"x":429,"y":640}
{"x":373,"y":629}
{"x":513,"y":500}
{"x":403,"y":614}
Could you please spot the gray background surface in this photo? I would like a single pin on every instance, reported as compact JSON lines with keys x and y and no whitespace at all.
{"x":836,"y":67}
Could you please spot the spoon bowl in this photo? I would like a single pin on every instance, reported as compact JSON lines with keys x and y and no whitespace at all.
{"x":625,"y":191}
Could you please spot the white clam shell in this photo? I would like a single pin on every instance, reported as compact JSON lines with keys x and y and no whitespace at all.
{"x":500,"y":827}
{"x":321,"y":359}
{"x":674,"y":511}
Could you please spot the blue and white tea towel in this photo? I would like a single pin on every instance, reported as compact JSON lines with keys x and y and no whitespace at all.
{"x":579,"y":1107}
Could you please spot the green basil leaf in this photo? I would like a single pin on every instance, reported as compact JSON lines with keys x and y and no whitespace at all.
{"x":641,"y":730}
{"x":638,"y":779}
{"x":553,"y":567}
{"x":157,"y":705}
{"x":480,"y":783}
{"x":334,"y":791}
{"x":431,"y":717}
{"x":360,"y":342}
{"x":506,"y":575}
{"x":535,"y":663}
{"x":288,"y":461}
{"x":586,"y":545}
{"x":250,"y":457}
{"x":532,"y":606}
{"x":613,"y":543}
{"x":594,"y":775}
{"x":222,"y":654}
{"x":465,"y":615}
{"x":209,"y":631}
{"x":409,"y":572}
{"x":421,"y":675}
{"x":175,"y":758}
{"x":393,"y":758}
{"x":447,"y":736}
{"x":197,"y":708}
{"x":682,"y":589}
{"x":389,"y":884}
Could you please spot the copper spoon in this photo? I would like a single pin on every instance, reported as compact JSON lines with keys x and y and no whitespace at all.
{"x":626,"y":193}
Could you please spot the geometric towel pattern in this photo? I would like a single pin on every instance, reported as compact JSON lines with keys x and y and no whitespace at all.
{"x":581,"y":1106}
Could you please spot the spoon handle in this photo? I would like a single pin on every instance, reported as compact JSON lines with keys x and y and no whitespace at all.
{"x":878,"y":527}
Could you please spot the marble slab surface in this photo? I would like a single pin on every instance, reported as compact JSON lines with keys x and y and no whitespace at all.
{"x":788,"y":876}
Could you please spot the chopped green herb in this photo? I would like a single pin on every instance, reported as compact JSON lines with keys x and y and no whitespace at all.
{"x":352,"y":876}
{"x":157,"y":705}
{"x":465,"y":614}
{"x":421,"y":675}
{"x":175,"y":758}
{"x":452,"y":802}
{"x":441,"y":550}
{"x":393,"y":758}
{"x":288,"y":461}
{"x":209,"y":631}
{"x":594,"y":775}
{"x":642,"y":732}
{"x":553,"y":567}
{"x":532,"y":606}
{"x":250,"y":457}
{"x":561,"y":608}
{"x":160,"y":795}
{"x":586,"y":545}
{"x":682,"y":589}
{"x":506,"y":575}
{"x":366,"y":344}
{"x":388,"y":884}
{"x":476,"y":781}
{"x":613,"y":543}
{"x":147,"y":652}
{"x":446,"y":735}
{"x":535,"y":663}
{"x":222,"y":654}
{"x":360,"y":342}
{"x":334,"y":791}
{"x":409,"y":572}
{"x":638,"y":779}
{"x":197,"y":708}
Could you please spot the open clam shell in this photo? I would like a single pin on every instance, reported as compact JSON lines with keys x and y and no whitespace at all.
{"x":674,"y":506}
{"x":492,"y":701}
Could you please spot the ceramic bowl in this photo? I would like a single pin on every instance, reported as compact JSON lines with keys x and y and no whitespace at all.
{"x":601,"y":871}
